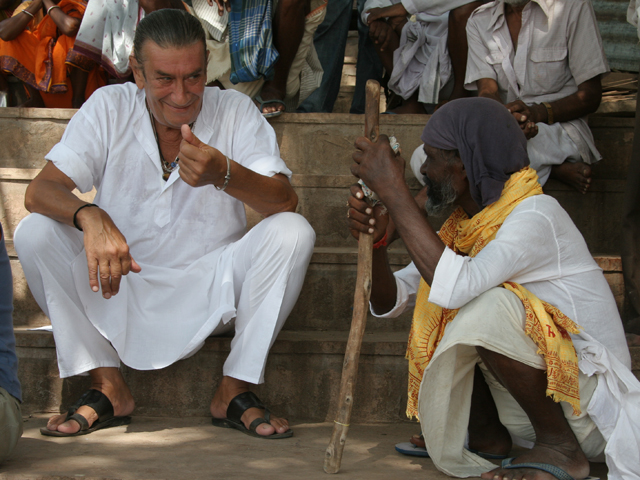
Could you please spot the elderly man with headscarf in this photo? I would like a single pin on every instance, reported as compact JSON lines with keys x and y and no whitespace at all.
{"x":515,"y":331}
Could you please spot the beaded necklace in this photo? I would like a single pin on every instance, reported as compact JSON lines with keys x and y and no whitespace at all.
{"x":167,"y":167}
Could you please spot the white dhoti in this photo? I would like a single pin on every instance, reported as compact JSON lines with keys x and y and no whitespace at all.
{"x":162,"y":315}
{"x":552,"y":146}
{"x":494,"y":320}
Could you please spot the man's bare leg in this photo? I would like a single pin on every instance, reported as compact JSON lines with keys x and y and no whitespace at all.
{"x":79,"y":80}
{"x":555,"y":442}
{"x":575,"y":174}
{"x":110,"y":382}
{"x":288,"y":29}
{"x":486,"y":433}
{"x":228,"y":389}
{"x":411,"y":105}
{"x":458,"y":46}
{"x":35,"y":100}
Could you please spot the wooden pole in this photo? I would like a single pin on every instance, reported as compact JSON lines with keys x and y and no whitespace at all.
{"x":333,"y":455}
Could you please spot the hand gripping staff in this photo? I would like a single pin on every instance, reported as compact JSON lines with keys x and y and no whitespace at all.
{"x":333,"y":455}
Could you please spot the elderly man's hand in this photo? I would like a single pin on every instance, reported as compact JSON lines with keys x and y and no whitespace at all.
{"x":381,"y":33}
{"x":222,"y":5}
{"x":107,"y":251}
{"x":526,"y":117}
{"x":200,"y":164}
{"x":391,"y":11}
{"x":378,"y":166}
{"x":362,"y":217}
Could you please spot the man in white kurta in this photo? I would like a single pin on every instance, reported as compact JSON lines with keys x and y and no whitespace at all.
{"x":543,"y":59}
{"x":195,"y":271}
{"x":538,"y":247}
{"x":422,"y":43}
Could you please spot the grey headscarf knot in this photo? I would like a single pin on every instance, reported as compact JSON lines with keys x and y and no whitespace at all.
{"x":490,"y":141}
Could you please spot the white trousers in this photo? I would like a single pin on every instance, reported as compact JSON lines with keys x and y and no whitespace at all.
{"x":494,"y":320}
{"x":162,"y":315}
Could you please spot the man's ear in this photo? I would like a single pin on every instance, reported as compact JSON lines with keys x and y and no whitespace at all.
{"x":138,"y":72}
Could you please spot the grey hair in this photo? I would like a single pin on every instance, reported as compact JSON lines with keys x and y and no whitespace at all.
{"x":168,"y":28}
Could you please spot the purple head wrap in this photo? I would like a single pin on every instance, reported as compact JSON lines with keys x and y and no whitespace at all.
{"x":490,"y":141}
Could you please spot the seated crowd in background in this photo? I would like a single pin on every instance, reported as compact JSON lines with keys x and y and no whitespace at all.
{"x":91,"y":49}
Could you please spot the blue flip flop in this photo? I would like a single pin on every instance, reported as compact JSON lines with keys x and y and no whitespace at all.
{"x":412,"y":450}
{"x":258,"y":98}
{"x":545,"y":467}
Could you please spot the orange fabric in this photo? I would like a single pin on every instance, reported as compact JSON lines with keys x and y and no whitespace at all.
{"x":38,"y":58}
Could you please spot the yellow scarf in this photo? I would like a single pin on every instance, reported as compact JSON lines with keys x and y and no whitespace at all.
{"x":547,"y":326}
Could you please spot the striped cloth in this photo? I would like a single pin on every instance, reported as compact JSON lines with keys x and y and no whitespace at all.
{"x":251,"y":41}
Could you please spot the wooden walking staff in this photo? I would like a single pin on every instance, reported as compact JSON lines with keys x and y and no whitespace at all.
{"x":333,"y":455}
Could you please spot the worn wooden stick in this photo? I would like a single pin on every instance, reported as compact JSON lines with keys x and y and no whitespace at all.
{"x":333,"y":455}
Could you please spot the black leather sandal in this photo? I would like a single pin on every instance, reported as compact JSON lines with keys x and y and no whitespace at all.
{"x":240,"y":404}
{"x":102,"y":406}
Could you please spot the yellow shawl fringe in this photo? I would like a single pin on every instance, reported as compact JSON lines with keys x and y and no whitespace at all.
{"x":547,"y":326}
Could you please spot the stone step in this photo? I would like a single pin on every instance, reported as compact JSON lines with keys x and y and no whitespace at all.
{"x":318,"y":148}
{"x":306,"y":367}
{"x":326,"y":299}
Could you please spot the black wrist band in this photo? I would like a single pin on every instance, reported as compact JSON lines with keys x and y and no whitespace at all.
{"x":75,"y":220}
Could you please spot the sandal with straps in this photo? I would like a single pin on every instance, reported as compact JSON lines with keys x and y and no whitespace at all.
{"x":240,"y":404}
{"x":102,"y":406}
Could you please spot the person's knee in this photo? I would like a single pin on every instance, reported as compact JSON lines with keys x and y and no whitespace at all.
{"x":292,"y":231}
{"x":36,"y":233}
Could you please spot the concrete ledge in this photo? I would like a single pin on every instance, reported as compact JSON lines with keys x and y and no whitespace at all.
{"x":305,"y":366}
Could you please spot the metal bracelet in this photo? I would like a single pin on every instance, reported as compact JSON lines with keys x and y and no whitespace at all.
{"x":227,"y":177}
{"x":52,"y":7}
{"x":28,"y":13}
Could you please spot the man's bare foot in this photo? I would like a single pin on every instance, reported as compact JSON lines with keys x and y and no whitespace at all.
{"x":568,"y":457}
{"x":109,"y":381}
{"x":269,"y":92}
{"x":418,"y":440}
{"x":576,"y":174}
{"x":230,"y":388}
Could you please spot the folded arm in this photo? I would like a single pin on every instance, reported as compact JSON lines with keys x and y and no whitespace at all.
{"x":14,"y":26}
{"x":201,"y":164}
{"x":67,"y":24}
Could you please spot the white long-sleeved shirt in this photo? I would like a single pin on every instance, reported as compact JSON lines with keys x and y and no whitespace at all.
{"x":539,"y":247}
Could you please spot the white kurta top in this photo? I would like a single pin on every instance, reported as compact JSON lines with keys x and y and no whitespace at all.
{"x":539,"y":247}
{"x":177,"y":233}
{"x":559,"y":47}
{"x":122,"y":161}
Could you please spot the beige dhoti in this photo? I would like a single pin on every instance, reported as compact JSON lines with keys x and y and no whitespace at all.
{"x":494,"y":320}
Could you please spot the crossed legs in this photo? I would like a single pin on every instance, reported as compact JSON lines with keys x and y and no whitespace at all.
{"x":488,"y":381}
{"x":269,"y":265}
